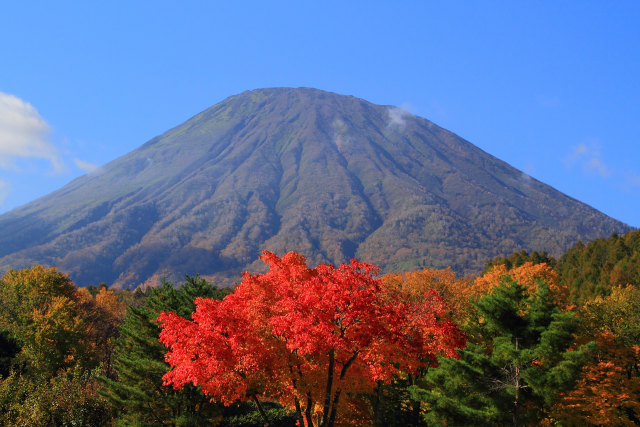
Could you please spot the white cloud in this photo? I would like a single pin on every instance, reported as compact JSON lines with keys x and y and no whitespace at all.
{"x":4,"y":191}
{"x":85,"y":166}
{"x":340,"y":134}
{"x":397,"y":116}
{"x":596,"y":165}
{"x":24,"y":134}
{"x":525,"y":176}
{"x":589,"y":158}
{"x":577,"y":152}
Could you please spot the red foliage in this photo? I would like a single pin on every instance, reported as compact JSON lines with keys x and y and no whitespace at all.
{"x":305,"y":337}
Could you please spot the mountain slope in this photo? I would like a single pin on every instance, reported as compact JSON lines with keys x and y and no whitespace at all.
{"x":282,"y":169}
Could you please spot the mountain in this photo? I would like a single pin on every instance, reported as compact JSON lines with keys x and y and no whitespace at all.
{"x":328,"y":175}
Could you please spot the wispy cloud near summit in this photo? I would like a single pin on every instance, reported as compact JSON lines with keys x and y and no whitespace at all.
{"x":589,"y":158}
{"x":85,"y":166}
{"x":397,"y":116}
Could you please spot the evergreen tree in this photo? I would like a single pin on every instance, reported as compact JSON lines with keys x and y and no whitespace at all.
{"x":592,"y":270}
{"x":392,"y":405}
{"x":137,"y":393}
{"x":521,"y":359}
{"x":518,"y":259}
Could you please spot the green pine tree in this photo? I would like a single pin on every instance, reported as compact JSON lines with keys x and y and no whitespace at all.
{"x":593,"y":269}
{"x":520,"y":360}
{"x":137,"y":394}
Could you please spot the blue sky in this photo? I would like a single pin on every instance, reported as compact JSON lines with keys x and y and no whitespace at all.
{"x":552,"y":88}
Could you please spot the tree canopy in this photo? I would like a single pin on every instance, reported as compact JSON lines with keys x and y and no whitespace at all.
{"x":312,"y":338}
{"x":593,"y":269}
{"x":521,"y":357}
{"x":135,"y":389}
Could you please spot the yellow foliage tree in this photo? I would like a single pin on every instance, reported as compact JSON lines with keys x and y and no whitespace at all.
{"x":102,"y":314}
{"x":39,"y":309}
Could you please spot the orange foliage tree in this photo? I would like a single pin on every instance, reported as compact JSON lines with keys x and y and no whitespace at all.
{"x":312,"y":338}
{"x":528,"y":275}
{"x":454,"y":292}
{"x":103,"y":314}
{"x":608,"y":392}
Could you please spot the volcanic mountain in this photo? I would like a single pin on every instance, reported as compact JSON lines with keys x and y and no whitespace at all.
{"x":330,"y":176}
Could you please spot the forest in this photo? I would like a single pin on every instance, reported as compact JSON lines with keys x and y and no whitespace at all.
{"x":532,"y":340}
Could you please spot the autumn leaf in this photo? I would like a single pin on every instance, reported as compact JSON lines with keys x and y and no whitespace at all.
{"x":312,"y":338}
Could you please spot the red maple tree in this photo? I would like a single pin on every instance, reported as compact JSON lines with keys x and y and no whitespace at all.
{"x":311,"y":338}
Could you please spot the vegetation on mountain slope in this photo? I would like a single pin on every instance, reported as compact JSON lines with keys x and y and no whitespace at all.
{"x":326,"y":175}
{"x":534,"y":354}
{"x":593,"y":269}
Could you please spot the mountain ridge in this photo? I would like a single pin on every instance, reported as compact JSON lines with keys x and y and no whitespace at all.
{"x":328,"y":175}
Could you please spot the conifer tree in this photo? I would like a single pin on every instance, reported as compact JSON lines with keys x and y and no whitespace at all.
{"x":137,"y":393}
{"x":594,"y":269}
{"x":521,"y":359}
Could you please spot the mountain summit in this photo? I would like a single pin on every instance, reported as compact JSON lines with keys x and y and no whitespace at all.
{"x":330,"y":176}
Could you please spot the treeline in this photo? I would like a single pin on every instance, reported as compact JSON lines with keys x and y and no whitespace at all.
{"x":91,"y":357}
{"x":551,"y":342}
{"x":590,"y":270}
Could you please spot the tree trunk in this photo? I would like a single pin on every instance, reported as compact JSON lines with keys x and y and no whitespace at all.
{"x":295,"y":398}
{"x":334,"y":409}
{"x":264,"y":414}
{"x":298,"y":411}
{"x":376,"y":405}
{"x":517,"y":384}
{"x":327,"y":394}
{"x":307,"y":412}
{"x":415,"y":405}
